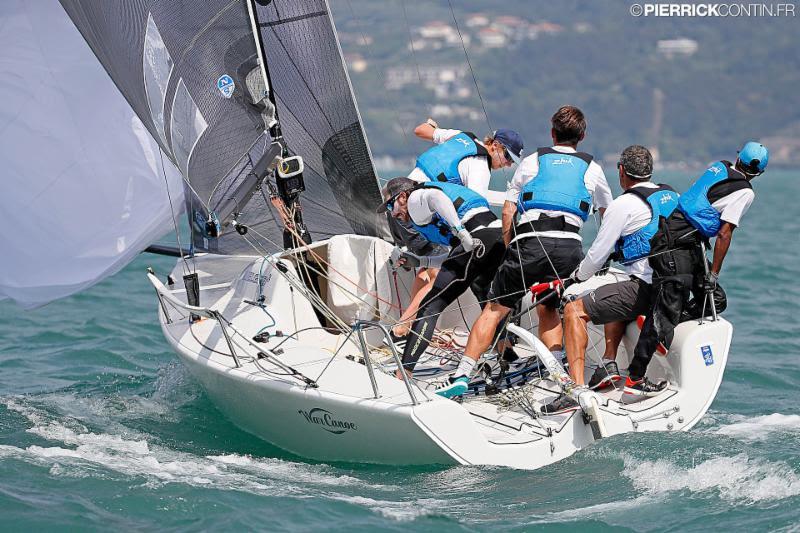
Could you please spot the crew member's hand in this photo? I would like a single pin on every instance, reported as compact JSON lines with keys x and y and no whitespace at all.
{"x":574,"y":278}
{"x":466,"y":239}
{"x":710,"y":282}
{"x":409,"y":260}
{"x":397,"y":255}
{"x":432,"y":123}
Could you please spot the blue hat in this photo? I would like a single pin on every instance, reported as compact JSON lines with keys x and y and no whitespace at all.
{"x":754,"y":156}
{"x":512,"y":141}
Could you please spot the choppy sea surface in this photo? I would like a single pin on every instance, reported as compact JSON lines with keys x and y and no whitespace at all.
{"x":101,"y":428}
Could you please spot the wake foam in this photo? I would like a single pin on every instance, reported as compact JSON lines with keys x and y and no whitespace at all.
{"x":735,"y":479}
{"x":80,"y":453}
{"x":759,"y":427}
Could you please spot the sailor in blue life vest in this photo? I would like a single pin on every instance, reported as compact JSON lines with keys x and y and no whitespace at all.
{"x":628,"y":226}
{"x":451,"y":215}
{"x":459,"y":158}
{"x":553,"y":190}
{"x":711,"y":208}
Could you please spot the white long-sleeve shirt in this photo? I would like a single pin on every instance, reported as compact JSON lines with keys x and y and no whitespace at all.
{"x":474,"y":170}
{"x":594,"y":180}
{"x":424,"y":203}
{"x":626,"y":214}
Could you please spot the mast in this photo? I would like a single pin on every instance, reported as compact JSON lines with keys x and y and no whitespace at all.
{"x":275,"y":127}
{"x":285,"y":199}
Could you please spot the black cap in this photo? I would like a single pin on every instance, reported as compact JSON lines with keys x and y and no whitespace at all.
{"x":394,"y":187}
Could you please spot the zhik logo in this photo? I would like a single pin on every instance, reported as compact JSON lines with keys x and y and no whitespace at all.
{"x":563,"y":161}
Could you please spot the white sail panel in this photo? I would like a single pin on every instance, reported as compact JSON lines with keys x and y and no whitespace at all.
{"x":83,"y":185}
{"x":157,"y":70}
{"x":188,"y":125}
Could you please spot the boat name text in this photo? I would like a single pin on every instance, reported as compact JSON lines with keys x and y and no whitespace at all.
{"x":326,"y":420}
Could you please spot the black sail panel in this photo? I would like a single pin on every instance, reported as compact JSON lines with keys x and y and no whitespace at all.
{"x":318,"y":114}
{"x":188,"y":69}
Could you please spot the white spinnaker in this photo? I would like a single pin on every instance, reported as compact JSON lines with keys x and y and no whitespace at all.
{"x":82,"y":186}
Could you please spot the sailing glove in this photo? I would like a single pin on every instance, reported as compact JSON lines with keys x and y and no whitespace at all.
{"x":466,"y":239}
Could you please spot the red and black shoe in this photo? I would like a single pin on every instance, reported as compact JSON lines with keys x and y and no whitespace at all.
{"x":644,"y":388}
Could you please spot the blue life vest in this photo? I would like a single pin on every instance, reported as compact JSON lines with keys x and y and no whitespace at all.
{"x":440,"y":163}
{"x":559,"y":185}
{"x":464,"y":199}
{"x":662,"y":201}
{"x":719,"y":180}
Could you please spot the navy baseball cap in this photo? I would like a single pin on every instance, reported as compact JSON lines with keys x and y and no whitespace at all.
{"x":512,"y":141}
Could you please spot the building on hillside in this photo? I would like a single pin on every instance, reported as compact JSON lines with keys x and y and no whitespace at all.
{"x":435,"y":35}
{"x":356,"y":62}
{"x":581,"y":27}
{"x":492,"y":38}
{"x":446,"y":78}
{"x":476,"y":20}
{"x":547,"y":28}
{"x":675,"y":47}
{"x":454,"y":111}
{"x":360,"y":39}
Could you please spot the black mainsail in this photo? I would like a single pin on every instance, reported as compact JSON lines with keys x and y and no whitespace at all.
{"x":190,"y":71}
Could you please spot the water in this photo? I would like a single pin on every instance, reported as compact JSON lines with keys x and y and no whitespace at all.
{"x":101,"y":428}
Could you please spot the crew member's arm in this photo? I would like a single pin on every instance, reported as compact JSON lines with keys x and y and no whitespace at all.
{"x":426,"y":129}
{"x":439,"y":203}
{"x":509,"y":212}
{"x":721,"y":245}
{"x":526,"y":171}
{"x":732,"y":208}
{"x":601,"y":196}
{"x":610,"y":231}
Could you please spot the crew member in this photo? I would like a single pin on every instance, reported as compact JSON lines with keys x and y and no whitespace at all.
{"x":553,"y":190}
{"x":711,"y":208}
{"x":459,"y":158}
{"x":447,"y":214}
{"x":629,"y":224}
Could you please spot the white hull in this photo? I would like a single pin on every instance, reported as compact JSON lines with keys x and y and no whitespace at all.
{"x":342,"y":420}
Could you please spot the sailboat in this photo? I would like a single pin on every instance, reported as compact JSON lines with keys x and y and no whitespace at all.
{"x":280,"y":304}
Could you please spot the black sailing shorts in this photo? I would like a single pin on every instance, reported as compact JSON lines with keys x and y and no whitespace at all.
{"x":528,"y":261}
{"x":620,"y":301}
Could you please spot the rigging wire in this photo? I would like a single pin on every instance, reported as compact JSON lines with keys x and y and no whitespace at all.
{"x":411,"y":40}
{"x":186,"y":268}
{"x":383,"y":80}
{"x":469,"y":63}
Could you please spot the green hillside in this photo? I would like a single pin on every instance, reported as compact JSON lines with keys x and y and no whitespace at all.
{"x":740,"y":82}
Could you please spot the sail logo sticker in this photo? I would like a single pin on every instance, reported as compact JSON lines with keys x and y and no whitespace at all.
{"x":325,"y":419}
{"x":708,"y":356}
{"x":226,"y":86}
